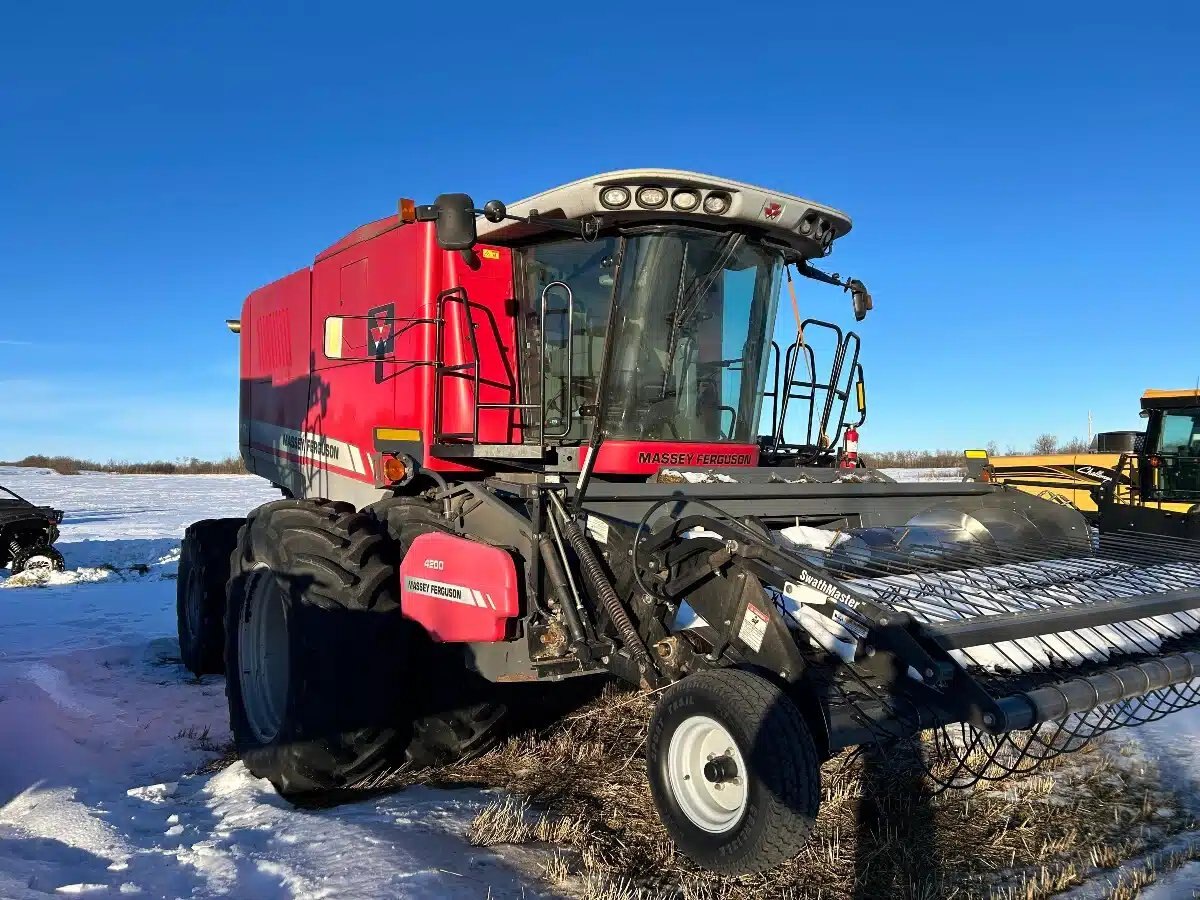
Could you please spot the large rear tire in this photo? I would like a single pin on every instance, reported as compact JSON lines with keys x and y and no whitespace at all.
{"x":204,"y":559}
{"x":316,"y":648}
{"x":733,"y":770}
{"x":456,"y":717}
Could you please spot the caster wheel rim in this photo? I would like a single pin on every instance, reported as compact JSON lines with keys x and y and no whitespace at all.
{"x":707,"y":774}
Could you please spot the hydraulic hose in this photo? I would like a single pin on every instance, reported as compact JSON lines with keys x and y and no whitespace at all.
{"x":593,"y":571}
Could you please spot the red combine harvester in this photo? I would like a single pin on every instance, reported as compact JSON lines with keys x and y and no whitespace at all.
{"x":522,"y":445}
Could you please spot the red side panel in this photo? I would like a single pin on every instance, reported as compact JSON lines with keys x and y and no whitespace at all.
{"x":459,"y":590}
{"x":384,"y":282}
{"x":647,"y":457}
{"x":275,"y":359}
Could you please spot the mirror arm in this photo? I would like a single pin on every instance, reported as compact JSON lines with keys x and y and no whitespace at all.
{"x":858,"y":290}
{"x":586,"y":228}
{"x":816,"y":274}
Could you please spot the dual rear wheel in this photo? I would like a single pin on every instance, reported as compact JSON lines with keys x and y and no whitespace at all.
{"x":204,"y":559}
{"x":320,"y":663}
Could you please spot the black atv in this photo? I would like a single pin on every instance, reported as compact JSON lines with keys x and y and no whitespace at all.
{"x":27,"y":534}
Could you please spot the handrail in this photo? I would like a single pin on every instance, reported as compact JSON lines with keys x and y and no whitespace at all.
{"x":849,"y":345}
{"x":459,"y":295}
{"x":570,"y":359}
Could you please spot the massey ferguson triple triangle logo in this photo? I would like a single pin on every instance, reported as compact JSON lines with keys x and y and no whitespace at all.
{"x":381,"y":336}
{"x":381,"y":330}
{"x":772,"y":210}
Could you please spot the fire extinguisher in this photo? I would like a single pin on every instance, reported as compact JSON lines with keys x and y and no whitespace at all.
{"x":850,"y":449}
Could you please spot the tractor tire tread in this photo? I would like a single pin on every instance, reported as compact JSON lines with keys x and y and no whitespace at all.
{"x":310,"y":539}
{"x":206,"y":545}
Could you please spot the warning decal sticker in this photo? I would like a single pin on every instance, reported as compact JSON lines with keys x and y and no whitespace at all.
{"x":753,"y":628}
{"x":597,"y":528}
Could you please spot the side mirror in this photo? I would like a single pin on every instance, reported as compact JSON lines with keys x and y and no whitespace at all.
{"x":455,"y":222}
{"x":860,"y":297}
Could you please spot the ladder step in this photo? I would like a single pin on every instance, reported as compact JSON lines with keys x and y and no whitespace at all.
{"x":488,"y":451}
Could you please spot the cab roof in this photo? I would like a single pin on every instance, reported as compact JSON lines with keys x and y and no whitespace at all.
{"x":1171,"y":398}
{"x":681,"y":197}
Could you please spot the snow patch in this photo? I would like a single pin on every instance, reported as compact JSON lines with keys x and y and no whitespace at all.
{"x":100,"y":724}
{"x":671,"y":476}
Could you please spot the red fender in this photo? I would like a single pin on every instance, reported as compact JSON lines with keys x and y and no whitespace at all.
{"x":459,"y":590}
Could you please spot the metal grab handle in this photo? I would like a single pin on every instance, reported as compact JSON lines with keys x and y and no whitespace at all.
{"x":860,"y":386}
{"x":568,"y":382}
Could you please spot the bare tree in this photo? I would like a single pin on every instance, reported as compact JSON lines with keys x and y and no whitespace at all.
{"x":1045,"y":444}
{"x":1075,"y":445}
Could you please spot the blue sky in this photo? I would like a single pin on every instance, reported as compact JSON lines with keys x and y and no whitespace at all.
{"x":1023,"y":181}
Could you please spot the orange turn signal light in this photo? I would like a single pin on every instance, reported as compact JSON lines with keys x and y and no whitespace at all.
{"x":408,"y":211}
{"x":394,"y":468}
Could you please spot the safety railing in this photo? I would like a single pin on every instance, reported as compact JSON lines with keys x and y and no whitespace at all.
{"x":844,"y":380}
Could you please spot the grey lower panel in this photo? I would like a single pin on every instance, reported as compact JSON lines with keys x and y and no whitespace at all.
{"x":304,"y":482}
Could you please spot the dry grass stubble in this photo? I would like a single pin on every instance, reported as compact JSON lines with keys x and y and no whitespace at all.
{"x":882,"y":833}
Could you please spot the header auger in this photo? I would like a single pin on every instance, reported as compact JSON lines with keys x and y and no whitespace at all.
{"x":521,"y":445}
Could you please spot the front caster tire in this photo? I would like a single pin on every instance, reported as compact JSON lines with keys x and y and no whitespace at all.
{"x":37,"y":558}
{"x":200,"y":593}
{"x":733,"y":770}
{"x":315,"y":648}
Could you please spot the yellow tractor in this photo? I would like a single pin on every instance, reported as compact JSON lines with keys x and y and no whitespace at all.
{"x":1140,"y":481}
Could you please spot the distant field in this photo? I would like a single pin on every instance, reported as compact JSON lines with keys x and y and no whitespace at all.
{"x":70,"y":465}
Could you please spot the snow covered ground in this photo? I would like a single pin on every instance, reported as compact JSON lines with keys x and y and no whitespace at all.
{"x":908,"y":475}
{"x":100,"y":724}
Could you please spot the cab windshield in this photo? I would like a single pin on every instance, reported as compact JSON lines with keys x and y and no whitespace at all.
{"x":694,"y":310}
{"x":690,"y":340}
{"x":1178,"y":449}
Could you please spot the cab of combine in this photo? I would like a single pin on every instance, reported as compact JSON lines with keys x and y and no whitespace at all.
{"x":618,"y":323}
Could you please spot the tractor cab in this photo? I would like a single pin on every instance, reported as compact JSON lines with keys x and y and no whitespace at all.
{"x":646,"y":303}
{"x":1170,"y":464}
